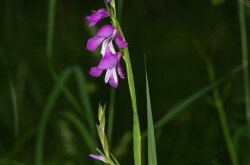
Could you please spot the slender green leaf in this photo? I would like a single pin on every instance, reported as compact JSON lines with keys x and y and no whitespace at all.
{"x":187,"y":102}
{"x":53,"y":96}
{"x":152,"y":158}
{"x":15,"y":110}
{"x":85,"y":100}
{"x":222,"y":116}
{"x":244,"y":49}
{"x":13,"y":94}
{"x":184,"y":104}
{"x":81,"y":127}
{"x":136,"y":125}
{"x":20,"y":143}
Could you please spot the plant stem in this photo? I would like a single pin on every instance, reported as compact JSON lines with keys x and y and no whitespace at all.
{"x":221,"y":112}
{"x":131,"y":84}
{"x":136,"y":126}
{"x":244,"y":58}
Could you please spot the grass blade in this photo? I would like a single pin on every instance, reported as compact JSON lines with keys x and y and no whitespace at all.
{"x":136,"y":125}
{"x":83,"y":130}
{"x":15,"y":109}
{"x":13,"y":94}
{"x":244,"y":49}
{"x":222,"y":116}
{"x":152,"y":158}
{"x":53,"y":96}
{"x":180,"y":107}
{"x":50,"y":33}
{"x":85,"y":100}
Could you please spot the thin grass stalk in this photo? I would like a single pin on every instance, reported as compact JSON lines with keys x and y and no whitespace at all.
{"x":152,"y":155}
{"x":136,"y":125}
{"x":221,"y":112}
{"x":244,"y":50}
{"x":49,"y":52}
{"x":15,"y":108}
{"x":13,"y":94}
{"x":131,"y":84}
{"x":50,"y":34}
{"x":46,"y":114}
{"x":173,"y":112}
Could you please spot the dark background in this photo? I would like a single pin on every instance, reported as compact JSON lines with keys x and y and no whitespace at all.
{"x":175,"y":35}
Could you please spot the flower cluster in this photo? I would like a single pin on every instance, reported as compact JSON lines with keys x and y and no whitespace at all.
{"x":107,"y":34}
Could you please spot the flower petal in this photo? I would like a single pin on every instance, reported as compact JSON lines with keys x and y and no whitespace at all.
{"x":107,"y":75}
{"x":105,"y":31}
{"x":108,"y":61}
{"x":120,"y":71}
{"x":94,"y":42}
{"x":95,"y":71}
{"x":119,"y":41}
{"x":97,"y":157}
{"x":112,"y":81}
{"x":95,"y":17}
{"x":108,"y":1}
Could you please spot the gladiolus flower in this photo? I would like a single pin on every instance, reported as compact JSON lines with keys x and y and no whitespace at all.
{"x":105,"y":36}
{"x":96,"y":16}
{"x":111,"y":63}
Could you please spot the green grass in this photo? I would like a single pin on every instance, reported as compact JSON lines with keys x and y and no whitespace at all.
{"x":244,"y":50}
{"x":152,"y":155}
{"x":221,"y":112}
{"x":13,"y":93}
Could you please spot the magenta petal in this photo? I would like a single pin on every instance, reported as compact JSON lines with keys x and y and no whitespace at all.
{"x":108,"y":1}
{"x":120,"y":71}
{"x":95,"y":17}
{"x":119,"y":41}
{"x":94,"y":42}
{"x":112,"y":82}
{"x":108,"y":62}
{"x":97,"y":157}
{"x":95,"y":71}
{"x":105,"y":31}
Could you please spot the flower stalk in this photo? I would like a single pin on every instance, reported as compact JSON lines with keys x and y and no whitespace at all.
{"x":221,"y":112}
{"x":244,"y":49}
{"x":110,"y":62}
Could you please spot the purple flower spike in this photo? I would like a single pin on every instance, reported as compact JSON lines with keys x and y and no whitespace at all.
{"x":96,"y":16}
{"x":98,"y":157}
{"x":111,"y":63}
{"x":108,"y":1}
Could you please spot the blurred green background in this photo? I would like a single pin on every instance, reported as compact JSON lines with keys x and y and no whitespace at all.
{"x":177,"y":37}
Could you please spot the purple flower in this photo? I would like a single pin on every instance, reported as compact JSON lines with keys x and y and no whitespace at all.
{"x":98,"y":157}
{"x":110,"y":62}
{"x":108,"y":1}
{"x":96,"y":16}
{"x":105,"y":36}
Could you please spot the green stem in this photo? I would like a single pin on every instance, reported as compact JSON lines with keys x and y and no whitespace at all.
{"x":244,"y":57}
{"x":136,"y":125}
{"x":221,"y":112}
{"x":131,"y":84}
